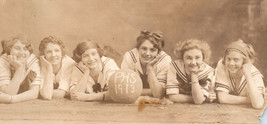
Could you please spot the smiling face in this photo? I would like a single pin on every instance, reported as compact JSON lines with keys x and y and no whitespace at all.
{"x":91,"y":58}
{"x":192,"y":59}
{"x":147,"y":52}
{"x":53,"y":53}
{"x":234,"y":61}
{"x":20,"y":51}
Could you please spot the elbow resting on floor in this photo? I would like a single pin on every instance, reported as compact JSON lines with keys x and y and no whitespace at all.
{"x":46,"y":97}
{"x":198,"y":102}
{"x":258,"y":105}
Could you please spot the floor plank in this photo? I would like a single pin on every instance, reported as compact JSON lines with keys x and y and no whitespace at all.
{"x":66,"y":111}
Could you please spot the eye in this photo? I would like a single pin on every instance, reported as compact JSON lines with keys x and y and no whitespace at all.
{"x":57,"y":50}
{"x":94,"y":54}
{"x":188,"y":57}
{"x":153,"y":50}
{"x":236,"y":59}
{"x":198,"y":57}
{"x":84,"y":55}
{"x":25,"y":48}
{"x":17,"y":48}
{"x":47,"y":51}
{"x":143,"y":48}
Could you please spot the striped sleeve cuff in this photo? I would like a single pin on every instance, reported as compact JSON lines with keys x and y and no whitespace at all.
{"x":172,"y":89}
{"x":222,"y":87}
{"x":162,"y":80}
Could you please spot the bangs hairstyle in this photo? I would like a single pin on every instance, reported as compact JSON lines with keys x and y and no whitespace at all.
{"x":155,"y":38}
{"x":8,"y":44}
{"x":240,"y":46}
{"x":83,"y":46}
{"x":54,"y":40}
{"x":183,"y":46}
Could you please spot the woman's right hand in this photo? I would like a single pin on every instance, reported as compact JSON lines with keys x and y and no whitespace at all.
{"x":14,"y":62}
{"x":83,"y":67}
{"x":194,"y":73}
{"x":44,"y":63}
{"x":78,"y":96}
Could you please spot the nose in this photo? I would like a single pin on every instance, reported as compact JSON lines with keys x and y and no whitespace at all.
{"x":53,"y":53}
{"x":148,"y":53}
{"x":22,"y":52}
{"x":194,"y":61}
{"x":90,"y":58}
{"x":231,"y":62}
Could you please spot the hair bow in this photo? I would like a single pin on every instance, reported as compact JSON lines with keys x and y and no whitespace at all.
{"x":156,"y":35}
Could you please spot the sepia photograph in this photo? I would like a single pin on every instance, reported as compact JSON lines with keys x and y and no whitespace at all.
{"x":133,"y":61}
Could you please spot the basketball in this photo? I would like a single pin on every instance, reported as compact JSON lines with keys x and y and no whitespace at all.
{"x":125,"y":86}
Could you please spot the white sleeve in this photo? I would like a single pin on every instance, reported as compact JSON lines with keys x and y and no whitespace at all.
{"x":5,"y":75}
{"x":172,"y":83}
{"x":127,"y":62}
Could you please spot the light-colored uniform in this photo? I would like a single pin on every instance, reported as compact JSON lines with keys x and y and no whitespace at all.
{"x":226,"y":83}
{"x":32,"y":71}
{"x":109,"y":67}
{"x":131,"y":61}
{"x":178,"y":82}
{"x":62,"y":78}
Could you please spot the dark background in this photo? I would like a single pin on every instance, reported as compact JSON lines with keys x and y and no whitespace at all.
{"x":117,"y":23}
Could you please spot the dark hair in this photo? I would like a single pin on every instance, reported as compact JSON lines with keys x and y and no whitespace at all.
{"x":8,"y":44}
{"x":83,"y":46}
{"x":156,"y":38}
{"x":183,"y":46}
{"x":51,"y":39}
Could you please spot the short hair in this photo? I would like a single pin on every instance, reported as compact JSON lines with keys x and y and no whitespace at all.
{"x":240,"y":46}
{"x":8,"y":44}
{"x":156,"y":38}
{"x":51,"y":39}
{"x":83,"y":46}
{"x":183,"y":46}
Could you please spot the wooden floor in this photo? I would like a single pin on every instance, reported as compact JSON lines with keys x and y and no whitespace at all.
{"x":66,"y":111}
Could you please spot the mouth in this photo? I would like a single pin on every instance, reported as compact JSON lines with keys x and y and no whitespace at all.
{"x":232,"y":68}
{"x":147,"y":58}
{"x":54,"y":59}
{"x":91,"y":63}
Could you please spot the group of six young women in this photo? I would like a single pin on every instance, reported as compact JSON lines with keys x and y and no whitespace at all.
{"x":23,"y":76}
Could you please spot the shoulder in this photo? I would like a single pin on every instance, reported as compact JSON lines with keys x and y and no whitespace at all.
{"x":208,"y":68}
{"x":177,"y":63}
{"x":4,"y":59}
{"x":68,"y":61}
{"x":255,"y":71}
{"x":108,"y":61}
{"x":32,"y":59}
{"x":77,"y":69}
{"x":164,"y":60}
{"x":4,"y":63}
{"x":220,"y":66}
{"x":131,"y":55}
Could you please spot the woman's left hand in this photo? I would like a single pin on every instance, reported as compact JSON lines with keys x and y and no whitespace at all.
{"x":246,"y":67}
{"x":200,"y":68}
{"x":78,"y":96}
{"x":153,"y":62}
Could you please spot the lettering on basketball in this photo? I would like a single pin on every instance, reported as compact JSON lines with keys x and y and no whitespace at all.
{"x":124,"y":83}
